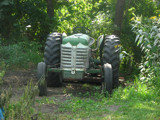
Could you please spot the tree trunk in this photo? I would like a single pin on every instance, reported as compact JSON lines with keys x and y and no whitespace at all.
{"x":50,"y":8}
{"x":119,"y":16}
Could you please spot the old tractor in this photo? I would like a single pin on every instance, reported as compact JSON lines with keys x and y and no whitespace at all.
{"x":73,"y":58}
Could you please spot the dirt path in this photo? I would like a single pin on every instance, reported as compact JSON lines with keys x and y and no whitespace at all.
{"x":18,"y":79}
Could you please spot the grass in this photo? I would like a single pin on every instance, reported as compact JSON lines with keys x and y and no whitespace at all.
{"x":121,"y":110}
{"x":45,"y":100}
{"x":130,"y":103}
{"x":134,"y":102}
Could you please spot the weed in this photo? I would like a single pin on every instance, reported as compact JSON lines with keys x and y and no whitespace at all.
{"x":46,"y":100}
{"x":22,"y":109}
{"x":2,"y":71}
{"x":5,"y":96}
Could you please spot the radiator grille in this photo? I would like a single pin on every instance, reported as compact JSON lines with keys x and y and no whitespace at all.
{"x":74,"y":56}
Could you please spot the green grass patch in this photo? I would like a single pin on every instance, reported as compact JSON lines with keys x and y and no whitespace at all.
{"x":135,"y":102}
{"x":45,"y":100}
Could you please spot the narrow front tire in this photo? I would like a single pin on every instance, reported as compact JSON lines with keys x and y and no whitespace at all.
{"x":41,"y":76}
{"x":108,"y":80}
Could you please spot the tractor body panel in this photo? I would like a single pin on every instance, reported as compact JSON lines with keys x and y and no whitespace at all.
{"x":76,"y":39}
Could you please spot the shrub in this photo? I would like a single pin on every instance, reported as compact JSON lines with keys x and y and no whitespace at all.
{"x":21,"y":54}
{"x":148,"y":38}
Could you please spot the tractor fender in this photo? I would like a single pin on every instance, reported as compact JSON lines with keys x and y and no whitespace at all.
{"x":101,"y":40}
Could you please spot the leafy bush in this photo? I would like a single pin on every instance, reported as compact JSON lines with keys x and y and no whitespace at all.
{"x":21,"y":54}
{"x":148,"y":38}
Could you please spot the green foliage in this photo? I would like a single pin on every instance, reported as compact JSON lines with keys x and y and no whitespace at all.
{"x":146,"y":8}
{"x":92,"y":14}
{"x":148,"y":36}
{"x":22,"y":54}
{"x":24,"y":18}
{"x":136,"y":91}
{"x":28,"y":18}
{"x":33,"y":19}
{"x":150,"y":8}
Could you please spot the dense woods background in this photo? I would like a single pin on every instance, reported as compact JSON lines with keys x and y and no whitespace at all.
{"x":25,"y":24}
{"x":28,"y":22}
{"x":32,"y":20}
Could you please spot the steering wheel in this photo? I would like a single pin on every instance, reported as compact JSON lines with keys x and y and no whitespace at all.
{"x":83,"y":30}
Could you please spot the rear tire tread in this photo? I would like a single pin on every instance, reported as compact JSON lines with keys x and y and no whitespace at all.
{"x":111,"y":56}
{"x":52,"y":58}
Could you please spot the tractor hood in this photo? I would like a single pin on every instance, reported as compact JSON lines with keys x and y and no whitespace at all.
{"x":76,"y":39}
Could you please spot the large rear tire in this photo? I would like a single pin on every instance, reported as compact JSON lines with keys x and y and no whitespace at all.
{"x":52,"y":58}
{"x":42,"y":84}
{"x":111,"y":51}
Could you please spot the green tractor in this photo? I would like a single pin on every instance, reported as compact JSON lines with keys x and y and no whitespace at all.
{"x":72,"y":58}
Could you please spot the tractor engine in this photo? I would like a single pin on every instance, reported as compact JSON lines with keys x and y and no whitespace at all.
{"x":75,"y":56}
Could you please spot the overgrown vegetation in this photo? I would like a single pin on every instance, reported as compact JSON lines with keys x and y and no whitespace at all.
{"x":23,"y":108}
{"x":22,"y":54}
{"x":147,"y":31}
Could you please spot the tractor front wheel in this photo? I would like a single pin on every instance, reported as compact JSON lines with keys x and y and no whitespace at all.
{"x":41,"y":75}
{"x":108,"y":81}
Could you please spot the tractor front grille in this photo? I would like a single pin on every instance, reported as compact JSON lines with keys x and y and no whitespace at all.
{"x":75,"y":57}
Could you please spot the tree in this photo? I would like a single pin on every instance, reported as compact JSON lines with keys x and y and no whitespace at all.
{"x":50,"y":8}
{"x":119,"y":16}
